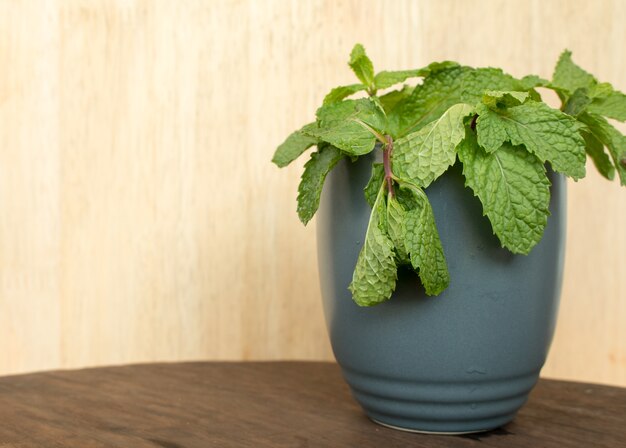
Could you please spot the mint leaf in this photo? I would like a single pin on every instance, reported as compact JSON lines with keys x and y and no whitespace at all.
{"x":577,"y":103}
{"x":548,"y":133}
{"x":372,"y":187}
{"x":512,"y":185}
{"x":396,"y":228}
{"x":407,"y":198}
{"x":386,"y":79}
{"x":595,"y":150}
{"x":423,"y":244}
{"x":568,"y":76}
{"x":498,"y":98}
{"x":476,"y":82}
{"x":391,"y":99}
{"x":611,"y":105}
{"x":339,"y":93}
{"x":436,"y":67}
{"x":610,"y":137}
{"x":429,"y":100}
{"x":601,"y":90}
{"x":361,"y":65}
{"x":531,"y":81}
{"x":375,"y":274}
{"x":315,"y":171}
{"x":294,"y":146}
{"x":349,"y":125}
{"x":492,"y":132}
{"x":423,"y":156}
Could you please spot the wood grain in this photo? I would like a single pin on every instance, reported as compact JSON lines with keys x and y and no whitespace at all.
{"x":141,"y":219}
{"x":260,"y":405}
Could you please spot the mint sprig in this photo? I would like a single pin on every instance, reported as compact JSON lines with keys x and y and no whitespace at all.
{"x":495,"y":124}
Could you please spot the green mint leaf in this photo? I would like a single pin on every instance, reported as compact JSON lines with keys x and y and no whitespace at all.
{"x":423,"y":156}
{"x":568,"y":76}
{"x":435,"y":67}
{"x":294,"y":146}
{"x":610,"y":137}
{"x":339,"y":93}
{"x":375,"y":274}
{"x":491,"y":130}
{"x":513,"y":188}
{"x":386,"y":79}
{"x":372,"y":187}
{"x":349,"y":125}
{"x":361,"y":65}
{"x":396,"y":228}
{"x":497,"y":98}
{"x":548,"y":133}
{"x":423,"y":244}
{"x":476,"y":82}
{"x":407,"y":199}
{"x":601,"y":90}
{"x":531,"y":81}
{"x":611,"y":105}
{"x":315,"y":171}
{"x":577,"y":103}
{"x":595,"y":150}
{"x":389,"y":100}
{"x":429,"y":100}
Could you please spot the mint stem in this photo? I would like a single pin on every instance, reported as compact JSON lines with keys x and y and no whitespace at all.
{"x":387,"y":164}
{"x":473,"y":123}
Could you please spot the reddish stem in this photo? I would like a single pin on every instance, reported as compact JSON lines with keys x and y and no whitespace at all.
{"x":387,"y":164}
{"x":473,"y":123}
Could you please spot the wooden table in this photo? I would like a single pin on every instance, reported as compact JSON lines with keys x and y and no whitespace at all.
{"x":282,"y":404}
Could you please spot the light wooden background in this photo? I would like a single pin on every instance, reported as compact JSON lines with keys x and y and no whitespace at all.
{"x":141,"y":219}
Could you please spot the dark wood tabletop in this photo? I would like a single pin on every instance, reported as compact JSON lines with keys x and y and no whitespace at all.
{"x":271,"y":404}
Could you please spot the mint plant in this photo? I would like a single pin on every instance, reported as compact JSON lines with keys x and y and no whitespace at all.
{"x":498,"y":128}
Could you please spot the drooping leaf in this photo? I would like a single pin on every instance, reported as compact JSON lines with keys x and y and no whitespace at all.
{"x":375,"y":274}
{"x":396,"y":228}
{"x":595,"y":150}
{"x":610,"y":137}
{"x":341,"y":92}
{"x":428,"y":101}
{"x":407,"y":198}
{"x":348,"y":125}
{"x":312,"y":182}
{"x":423,"y":244}
{"x":512,"y":186}
{"x":294,"y":146}
{"x":548,"y":133}
{"x":372,"y":187}
{"x":361,"y":65}
{"x":424,"y":155}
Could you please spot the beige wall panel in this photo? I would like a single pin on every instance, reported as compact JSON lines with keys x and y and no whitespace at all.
{"x":141,"y":219}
